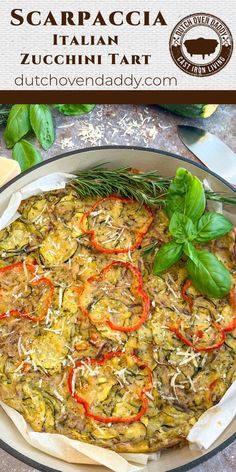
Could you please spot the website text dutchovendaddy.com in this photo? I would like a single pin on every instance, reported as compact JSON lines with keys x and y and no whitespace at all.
{"x":119,"y":81}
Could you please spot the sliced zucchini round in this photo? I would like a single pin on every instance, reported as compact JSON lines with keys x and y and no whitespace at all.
{"x":48,"y":351}
{"x":58,"y":246}
{"x":75,"y":225}
{"x":17,"y":237}
{"x":65,"y":208}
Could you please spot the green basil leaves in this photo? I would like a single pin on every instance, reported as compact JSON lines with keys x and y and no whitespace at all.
{"x":182,"y":228}
{"x":74,"y":110}
{"x":188,"y":224}
{"x":209,"y":275}
{"x":186,"y":195}
{"x":212,"y":226}
{"x":18,"y":125}
{"x":195,"y":200}
{"x":42,"y":124}
{"x":38,"y":119}
{"x":168,"y":255}
{"x":26,"y":154}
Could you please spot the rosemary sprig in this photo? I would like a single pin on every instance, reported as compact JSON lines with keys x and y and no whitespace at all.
{"x":146,"y":187}
{"x":220,"y":197}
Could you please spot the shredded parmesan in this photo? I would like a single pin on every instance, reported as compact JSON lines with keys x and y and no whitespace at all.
{"x":60,"y":297}
{"x":73,"y":380}
{"x":20,"y":366}
{"x":66,"y":126}
{"x":176,"y":295}
{"x":53,"y":330}
{"x":19,"y":346}
{"x":121,"y":376}
{"x":48,"y":319}
{"x":188,"y":356}
{"x":191,"y":383}
{"x":71,"y":360}
{"x":58,"y":396}
{"x":129,"y":254}
{"x":149,"y":395}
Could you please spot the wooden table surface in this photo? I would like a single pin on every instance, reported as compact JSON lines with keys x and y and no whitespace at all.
{"x":136,"y":126}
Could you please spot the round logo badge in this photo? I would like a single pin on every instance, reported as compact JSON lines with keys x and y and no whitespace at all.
{"x":201,"y":44}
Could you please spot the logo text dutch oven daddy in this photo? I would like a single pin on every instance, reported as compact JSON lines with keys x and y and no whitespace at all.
{"x":201,"y":44}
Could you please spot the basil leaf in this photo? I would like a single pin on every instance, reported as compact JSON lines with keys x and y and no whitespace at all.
{"x":211,"y":226}
{"x":26,"y":155}
{"x":74,"y":110}
{"x":191,"y":251}
{"x":181,"y":182}
{"x":167,"y":256}
{"x":42,"y":124}
{"x":181,"y":227}
{"x":174,"y":203}
{"x":195,"y":200}
{"x":177,"y":191}
{"x":18,"y":124}
{"x":209,"y":275}
{"x":186,"y":195}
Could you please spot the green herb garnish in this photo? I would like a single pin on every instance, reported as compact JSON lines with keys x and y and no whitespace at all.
{"x":18,"y":125}
{"x":220,"y":197}
{"x":42,"y":124}
{"x":168,"y":254}
{"x":26,"y":154}
{"x":146,"y":187}
{"x":37,"y":118}
{"x":185,"y":206}
{"x":74,"y":110}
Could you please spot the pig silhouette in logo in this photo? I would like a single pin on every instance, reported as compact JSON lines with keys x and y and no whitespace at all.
{"x":201,"y":46}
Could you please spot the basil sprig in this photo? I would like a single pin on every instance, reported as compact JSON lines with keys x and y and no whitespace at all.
{"x":42,"y":124}
{"x":37,"y":119}
{"x":189,"y":223}
{"x":26,"y":154}
{"x":18,"y":125}
{"x":186,"y":195}
{"x":182,"y":227}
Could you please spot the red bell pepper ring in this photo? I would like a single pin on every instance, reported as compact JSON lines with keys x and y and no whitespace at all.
{"x":85,"y":403}
{"x":232,"y":325}
{"x":232,"y":301}
{"x":42,"y":280}
{"x":138,"y":290}
{"x":198,"y":348}
{"x":211,"y":389}
{"x":92,"y":232}
{"x":185,"y":296}
{"x":221,"y":329}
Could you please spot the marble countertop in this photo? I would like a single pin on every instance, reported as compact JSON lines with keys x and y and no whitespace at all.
{"x":146,"y":126}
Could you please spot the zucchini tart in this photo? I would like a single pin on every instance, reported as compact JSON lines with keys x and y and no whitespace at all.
{"x":93,"y":344}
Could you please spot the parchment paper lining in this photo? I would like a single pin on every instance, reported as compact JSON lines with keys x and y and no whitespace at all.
{"x":203,"y":434}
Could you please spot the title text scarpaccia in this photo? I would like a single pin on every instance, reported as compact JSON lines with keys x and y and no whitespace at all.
{"x":85,"y":18}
